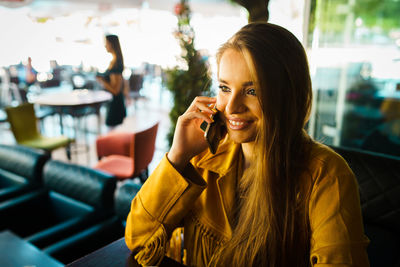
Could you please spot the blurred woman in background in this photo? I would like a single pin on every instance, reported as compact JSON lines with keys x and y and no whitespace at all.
{"x":113,"y":82}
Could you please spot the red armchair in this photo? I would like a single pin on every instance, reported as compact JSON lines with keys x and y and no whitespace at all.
{"x":125,"y":154}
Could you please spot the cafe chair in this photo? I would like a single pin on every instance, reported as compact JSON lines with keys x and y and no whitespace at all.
{"x":125,"y":154}
{"x":98,"y":235}
{"x":20,"y":170}
{"x":24,"y":127}
{"x":72,"y":198}
{"x":135,"y":83}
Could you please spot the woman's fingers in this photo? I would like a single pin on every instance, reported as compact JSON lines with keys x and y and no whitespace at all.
{"x":188,"y":116}
{"x":202,"y":107}
{"x":205,"y":99}
{"x":203,"y":103}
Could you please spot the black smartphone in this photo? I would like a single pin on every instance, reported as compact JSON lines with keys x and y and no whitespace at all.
{"x":213,"y":132}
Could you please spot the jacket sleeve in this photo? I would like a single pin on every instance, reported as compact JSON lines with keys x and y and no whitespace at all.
{"x":337,"y":235}
{"x":158,"y":208}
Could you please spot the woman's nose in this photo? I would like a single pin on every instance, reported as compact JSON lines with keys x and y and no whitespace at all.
{"x":235,"y":104}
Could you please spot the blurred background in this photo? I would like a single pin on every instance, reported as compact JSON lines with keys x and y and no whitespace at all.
{"x":353,"y":48}
{"x":52,"y":50}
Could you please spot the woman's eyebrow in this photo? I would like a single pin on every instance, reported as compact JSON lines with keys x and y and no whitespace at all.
{"x":245,"y":84}
{"x":222,"y":81}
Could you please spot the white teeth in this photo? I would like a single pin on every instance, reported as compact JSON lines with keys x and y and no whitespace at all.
{"x":236,"y":123}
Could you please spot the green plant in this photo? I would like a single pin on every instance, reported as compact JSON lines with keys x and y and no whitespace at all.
{"x":192,"y":78}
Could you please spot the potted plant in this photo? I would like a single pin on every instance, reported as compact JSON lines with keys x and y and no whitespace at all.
{"x":192,"y":78}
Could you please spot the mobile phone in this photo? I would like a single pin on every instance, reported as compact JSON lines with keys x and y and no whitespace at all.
{"x":213,"y":132}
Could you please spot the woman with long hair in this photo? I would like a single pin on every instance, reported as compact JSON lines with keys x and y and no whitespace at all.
{"x":113,"y":82}
{"x":270,"y":195}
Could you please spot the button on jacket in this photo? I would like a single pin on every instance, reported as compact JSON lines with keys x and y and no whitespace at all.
{"x":201,"y":200}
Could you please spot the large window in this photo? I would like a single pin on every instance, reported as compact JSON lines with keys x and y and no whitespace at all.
{"x":72,"y":32}
{"x":354,"y":50}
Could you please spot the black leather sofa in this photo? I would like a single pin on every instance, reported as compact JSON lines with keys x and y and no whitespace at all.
{"x":71,"y":199}
{"x":100,"y":234}
{"x":378,"y":177}
{"x":20,"y":170}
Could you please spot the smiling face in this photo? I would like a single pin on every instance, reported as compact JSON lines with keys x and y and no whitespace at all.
{"x":237,"y":98}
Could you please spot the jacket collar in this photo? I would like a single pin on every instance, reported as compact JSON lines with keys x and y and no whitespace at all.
{"x":223,"y":160}
{"x":225,"y":164}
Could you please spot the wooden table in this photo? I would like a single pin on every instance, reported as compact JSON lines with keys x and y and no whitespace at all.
{"x":73,"y":101}
{"x":115,"y":254}
{"x":15,"y":251}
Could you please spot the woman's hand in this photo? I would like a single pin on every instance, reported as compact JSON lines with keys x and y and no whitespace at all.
{"x":113,"y":85}
{"x":100,"y":79}
{"x":188,"y":137}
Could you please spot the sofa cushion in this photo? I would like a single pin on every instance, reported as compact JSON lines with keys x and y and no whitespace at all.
{"x":64,"y":207}
{"x":12,"y":185}
{"x":9,"y":179}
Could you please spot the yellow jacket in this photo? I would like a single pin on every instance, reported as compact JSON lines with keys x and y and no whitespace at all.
{"x":201,"y":200}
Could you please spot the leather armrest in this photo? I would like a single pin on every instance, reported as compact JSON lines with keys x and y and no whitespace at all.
{"x":23,"y":161}
{"x":65,"y":229}
{"x":86,"y":241}
{"x":14,"y":191}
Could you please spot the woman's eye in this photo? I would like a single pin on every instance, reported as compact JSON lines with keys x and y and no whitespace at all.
{"x":224,"y":88}
{"x":251,"y":91}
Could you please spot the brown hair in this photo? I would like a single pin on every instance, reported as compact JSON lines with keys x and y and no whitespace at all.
{"x":113,"y":40}
{"x":272,"y":224}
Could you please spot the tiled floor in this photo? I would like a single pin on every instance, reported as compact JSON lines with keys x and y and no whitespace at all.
{"x":141,"y":114}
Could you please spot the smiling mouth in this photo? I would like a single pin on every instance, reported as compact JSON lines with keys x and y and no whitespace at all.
{"x":237,"y":125}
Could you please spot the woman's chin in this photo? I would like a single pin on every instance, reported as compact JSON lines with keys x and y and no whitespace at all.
{"x":240,"y":137}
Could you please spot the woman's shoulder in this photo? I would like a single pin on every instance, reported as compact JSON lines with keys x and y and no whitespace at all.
{"x":323,"y":153}
{"x":324,"y":161}
{"x":117,"y":67}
